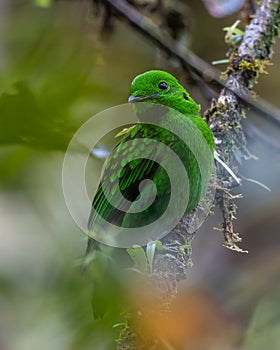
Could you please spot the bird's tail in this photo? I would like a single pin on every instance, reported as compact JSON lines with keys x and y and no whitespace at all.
{"x":91,"y":245}
{"x":87,"y":259}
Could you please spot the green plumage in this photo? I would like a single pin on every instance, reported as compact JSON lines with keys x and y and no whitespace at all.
{"x":125,"y":173}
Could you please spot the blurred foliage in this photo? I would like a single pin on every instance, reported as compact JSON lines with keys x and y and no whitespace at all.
{"x":264,"y":327}
{"x":43,"y":79}
{"x":56,"y":72}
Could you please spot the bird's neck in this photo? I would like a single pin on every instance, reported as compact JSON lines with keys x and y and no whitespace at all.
{"x":189,"y":110}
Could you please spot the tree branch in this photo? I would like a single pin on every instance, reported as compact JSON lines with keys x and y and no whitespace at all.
{"x":225,"y":114}
{"x":188,"y":59}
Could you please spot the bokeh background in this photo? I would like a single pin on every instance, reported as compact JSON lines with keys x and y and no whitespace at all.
{"x":57,"y":70}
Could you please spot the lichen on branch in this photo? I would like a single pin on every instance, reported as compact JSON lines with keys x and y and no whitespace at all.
{"x":226,"y":113}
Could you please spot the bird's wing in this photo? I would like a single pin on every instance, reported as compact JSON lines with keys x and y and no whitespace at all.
{"x":125,"y":168}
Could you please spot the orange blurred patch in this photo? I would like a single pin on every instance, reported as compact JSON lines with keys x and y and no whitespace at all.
{"x":194,"y":320}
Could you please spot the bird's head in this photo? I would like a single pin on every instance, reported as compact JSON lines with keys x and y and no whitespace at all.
{"x":160,"y":87}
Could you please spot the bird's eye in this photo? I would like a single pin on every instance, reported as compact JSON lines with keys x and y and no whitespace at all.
{"x":163,"y":85}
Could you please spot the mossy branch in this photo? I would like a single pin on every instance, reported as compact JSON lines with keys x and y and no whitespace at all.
{"x":226,"y":113}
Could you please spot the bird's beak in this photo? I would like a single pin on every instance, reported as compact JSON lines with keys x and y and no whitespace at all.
{"x":141,"y":98}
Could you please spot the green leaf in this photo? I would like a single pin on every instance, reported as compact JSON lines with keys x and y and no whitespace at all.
{"x":138,"y":255}
{"x":184,"y":247}
{"x":264,"y":328}
{"x":235,"y":31}
{"x":150,"y":252}
{"x":233,"y":34}
{"x":42,"y":3}
{"x":121,"y":324}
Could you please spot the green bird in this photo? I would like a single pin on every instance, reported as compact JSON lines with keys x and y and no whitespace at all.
{"x":168,"y":119}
